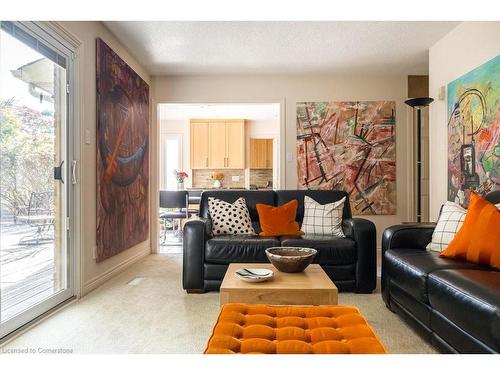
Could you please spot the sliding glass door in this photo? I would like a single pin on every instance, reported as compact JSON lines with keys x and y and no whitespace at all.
{"x":36,"y":263}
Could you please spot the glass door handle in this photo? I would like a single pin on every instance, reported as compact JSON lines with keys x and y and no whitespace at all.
{"x":58,"y":172}
{"x":73,"y":172}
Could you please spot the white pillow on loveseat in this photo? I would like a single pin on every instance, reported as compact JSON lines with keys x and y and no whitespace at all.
{"x":229,"y":218}
{"x":323,"y":219}
{"x":450,"y":220}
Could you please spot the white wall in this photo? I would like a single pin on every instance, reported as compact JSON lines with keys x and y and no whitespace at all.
{"x":466,"y":47}
{"x":292,"y":89}
{"x":94,"y":274}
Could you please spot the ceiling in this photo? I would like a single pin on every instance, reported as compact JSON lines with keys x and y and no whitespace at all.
{"x":288,"y":47}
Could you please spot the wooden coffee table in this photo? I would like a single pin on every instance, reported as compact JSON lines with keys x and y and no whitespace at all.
{"x":311,"y":287}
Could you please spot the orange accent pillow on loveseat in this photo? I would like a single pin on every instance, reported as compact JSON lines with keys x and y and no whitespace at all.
{"x":478,"y":240}
{"x":279,"y":221}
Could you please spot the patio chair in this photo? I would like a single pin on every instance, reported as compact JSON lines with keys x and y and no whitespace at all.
{"x":40,"y":215}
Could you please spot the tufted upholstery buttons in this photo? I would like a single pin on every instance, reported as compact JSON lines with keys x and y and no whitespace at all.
{"x":245,"y":329}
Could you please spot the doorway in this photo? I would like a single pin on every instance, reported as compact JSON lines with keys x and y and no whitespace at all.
{"x":194,"y":139}
{"x":36,"y":259}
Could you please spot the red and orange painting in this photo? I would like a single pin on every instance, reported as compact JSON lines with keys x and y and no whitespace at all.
{"x":349,"y":146}
{"x":122,"y":155}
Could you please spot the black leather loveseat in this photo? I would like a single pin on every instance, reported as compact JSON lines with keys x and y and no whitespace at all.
{"x":350,"y":262}
{"x":453,"y":304}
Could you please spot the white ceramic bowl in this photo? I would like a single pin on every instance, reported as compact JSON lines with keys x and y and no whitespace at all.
{"x":254,"y":275}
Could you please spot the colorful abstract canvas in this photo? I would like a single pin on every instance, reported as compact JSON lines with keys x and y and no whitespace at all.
{"x":474,"y":132}
{"x":349,"y":146}
{"x":122,"y":155}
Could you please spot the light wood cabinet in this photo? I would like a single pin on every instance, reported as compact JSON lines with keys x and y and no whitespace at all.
{"x":217,"y":145}
{"x":261,"y":153}
{"x":222,"y":144}
{"x":199,"y":145}
{"x":235,"y":144}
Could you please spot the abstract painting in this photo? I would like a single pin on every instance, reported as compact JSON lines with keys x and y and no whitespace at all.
{"x":349,"y":146}
{"x":122,"y":155}
{"x":474,"y":133}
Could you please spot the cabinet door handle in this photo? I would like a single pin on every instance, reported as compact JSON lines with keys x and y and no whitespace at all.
{"x":206,"y":162}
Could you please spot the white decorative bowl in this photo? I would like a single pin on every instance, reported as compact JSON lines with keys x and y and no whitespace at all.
{"x":254,"y":275}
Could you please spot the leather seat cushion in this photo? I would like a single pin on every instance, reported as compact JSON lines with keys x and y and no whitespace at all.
{"x":470,"y":299}
{"x":409,"y":269}
{"x":238,"y":249}
{"x":331,"y":250}
{"x":264,"y":329}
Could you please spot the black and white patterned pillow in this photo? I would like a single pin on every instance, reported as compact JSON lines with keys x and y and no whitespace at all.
{"x":449,"y":222}
{"x":229,"y":218}
{"x":323,"y":219}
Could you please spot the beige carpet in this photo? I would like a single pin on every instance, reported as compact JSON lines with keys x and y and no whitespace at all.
{"x":157,"y":316}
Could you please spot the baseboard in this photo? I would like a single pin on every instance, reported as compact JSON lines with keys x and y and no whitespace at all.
{"x":113,"y":271}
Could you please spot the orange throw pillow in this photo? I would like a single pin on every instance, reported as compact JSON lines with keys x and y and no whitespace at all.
{"x":478,"y":240}
{"x":279,"y":221}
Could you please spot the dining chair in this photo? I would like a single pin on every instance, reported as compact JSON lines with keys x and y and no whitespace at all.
{"x":177,"y":204}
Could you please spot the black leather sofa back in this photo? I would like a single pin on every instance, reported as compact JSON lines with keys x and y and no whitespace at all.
{"x":273,"y":198}
{"x":493,"y":197}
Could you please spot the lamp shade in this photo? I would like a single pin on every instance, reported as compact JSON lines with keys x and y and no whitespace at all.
{"x":419,"y":102}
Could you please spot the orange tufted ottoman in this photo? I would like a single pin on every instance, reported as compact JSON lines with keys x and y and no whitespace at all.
{"x":243,"y":328}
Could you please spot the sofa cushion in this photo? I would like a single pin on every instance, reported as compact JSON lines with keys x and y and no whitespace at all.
{"x":278,"y":221}
{"x":409,"y":269}
{"x":323,"y":219}
{"x":449,"y":223}
{"x":478,"y":239}
{"x":252,"y":197}
{"x":470,"y":299}
{"x":320,"y":196}
{"x":331,"y":250}
{"x":229,"y":218}
{"x":238,"y":249}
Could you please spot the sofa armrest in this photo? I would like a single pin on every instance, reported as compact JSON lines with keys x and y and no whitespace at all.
{"x":364,"y":233}
{"x":407,"y":236}
{"x":196,"y":233}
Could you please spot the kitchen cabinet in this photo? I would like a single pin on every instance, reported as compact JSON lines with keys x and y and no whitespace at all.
{"x":199,"y":145}
{"x":261,"y":153}
{"x":222,"y":144}
{"x":235,"y":144}
{"x":217,"y":149}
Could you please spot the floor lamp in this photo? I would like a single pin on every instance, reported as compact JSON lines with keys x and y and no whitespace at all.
{"x":418,"y":104}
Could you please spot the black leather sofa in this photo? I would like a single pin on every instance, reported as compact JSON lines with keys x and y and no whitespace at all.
{"x":453,"y":304}
{"x":350,"y":262}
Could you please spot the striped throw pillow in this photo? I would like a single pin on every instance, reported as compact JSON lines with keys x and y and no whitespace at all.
{"x":323,"y":219}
